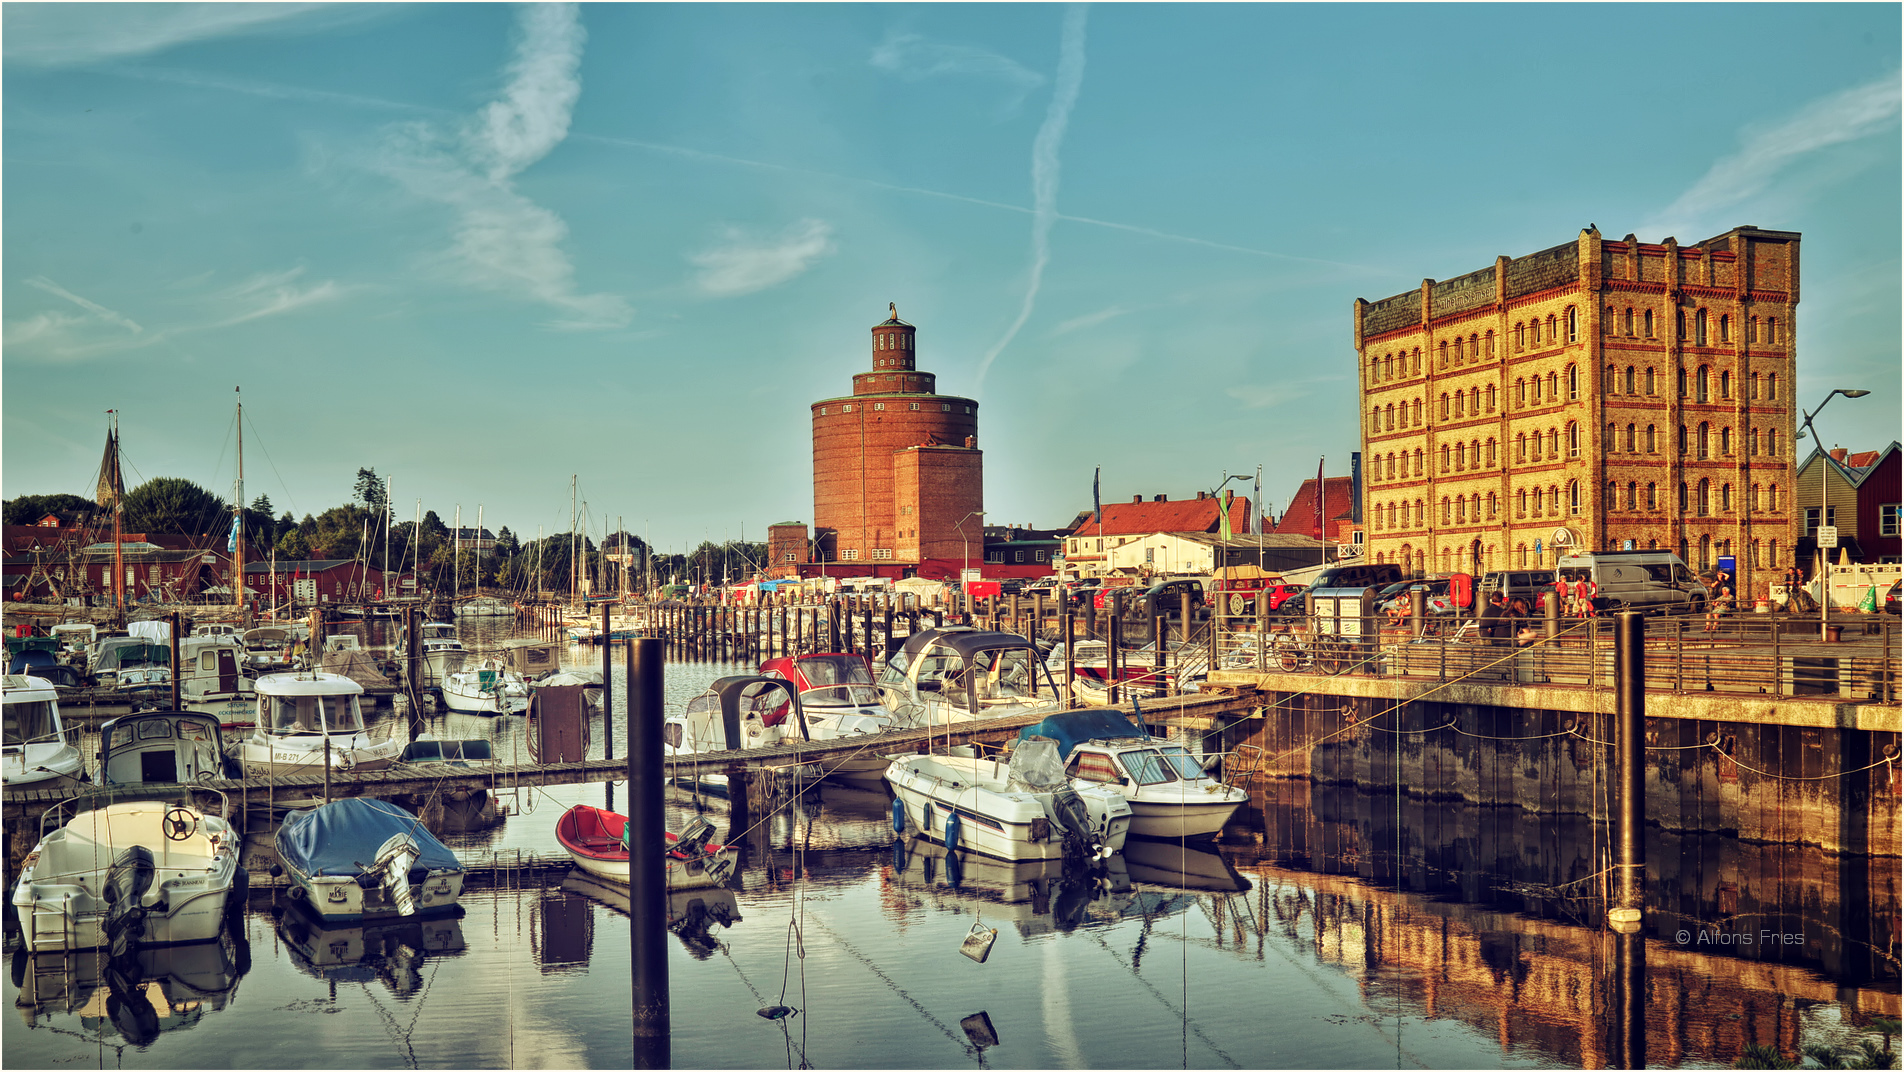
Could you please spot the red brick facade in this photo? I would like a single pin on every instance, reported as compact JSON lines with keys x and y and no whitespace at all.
{"x":892,"y":460}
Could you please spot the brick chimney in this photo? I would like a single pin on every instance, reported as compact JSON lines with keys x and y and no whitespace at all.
{"x":1838,"y":454}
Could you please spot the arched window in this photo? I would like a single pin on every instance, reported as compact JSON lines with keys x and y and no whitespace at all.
{"x":1417,"y":461}
{"x":1444,"y":406}
{"x":1771,"y":330}
{"x":1632,"y":442}
{"x":1553,"y":442}
{"x":1375,"y":419}
{"x":1775,"y":502}
{"x":1771,"y":553}
{"x":1573,"y":324}
{"x":1417,"y":420}
{"x":1441,"y":358}
{"x":1755,"y":386}
{"x":1461,"y":508}
{"x":1701,"y":383}
{"x":1725,"y":440}
{"x":1652,"y":496}
{"x":1492,"y":454}
{"x":1417,"y":360}
{"x":1683,"y":497}
{"x":1756,"y":502}
{"x":1487,"y":344}
{"x":1520,"y":337}
{"x":1771,"y":386}
{"x":1520,"y":392}
{"x":1447,"y":514}
{"x":1705,"y":438}
{"x":1444,"y":457}
{"x":1652,"y":439}
{"x":1493,"y":505}
{"x":1388,"y":417}
{"x":1752,"y":442}
{"x":1725,"y":384}
{"x":1652,"y":381}
{"x":1630,"y":382}
{"x":1573,"y":383}
{"x":1391,"y":467}
{"x":1520,"y":503}
{"x":1553,"y":331}
{"x":1699,"y":328}
{"x":1612,"y":440}
{"x":1490,"y":398}
{"x":1725,"y":328}
{"x":1685,"y":442}
{"x":1457,"y":349}
{"x":1632,"y":495}
{"x":1682,"y":383}
{"x":1573,"y":496}
{"x":1725,"y":498}
{"x":1474,"y":400}
{"x":1771,"y":442}
{"x":1609,"y":325}
{"x":1520,"y":447}
{"x":1649,"y":323}
{"x":1705,"y":497}
{"x":1629,"y":321}
{"x":1612,"y":385}
{"x":1573,"y":439}
{"x":1752,"y":330}
{"x":1705,"y":552}
{"x":1460,"y":402}
{"x":1520,"y":554}
{"x":1553,"y":386}
{"x":1612,"y":496}
{"x":1391,"y":515}
{"x":1679,"y":323}
{"x":1460,"y":456}
{"x":1533,"y":390}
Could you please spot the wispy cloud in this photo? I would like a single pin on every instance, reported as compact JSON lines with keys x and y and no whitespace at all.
{"x":274,"y":293}
{"x":913,"y":58}
{"x":1090,"y":320}
{"x":61,"y":35}
{"x":1044,"y":170}
{"x":500,"y":239}
{"x":1844,"y":116}
{"x":93,"y":307}
{"x":742,"y":263}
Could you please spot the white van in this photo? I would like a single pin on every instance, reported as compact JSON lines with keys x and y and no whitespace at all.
{"x":1636,"y":580}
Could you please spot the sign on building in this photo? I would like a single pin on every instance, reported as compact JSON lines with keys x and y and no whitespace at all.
{"x":1828,"y":537}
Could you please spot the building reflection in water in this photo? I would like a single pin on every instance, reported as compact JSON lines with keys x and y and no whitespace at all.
{"x":1482,"y":915}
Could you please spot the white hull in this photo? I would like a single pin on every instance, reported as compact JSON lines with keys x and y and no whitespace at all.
{"x":1160,"y":819}
{"x":304,"y":755}
{"x":681,"y":876}
{"x":340,"y":898}
{"x":994,"y":819}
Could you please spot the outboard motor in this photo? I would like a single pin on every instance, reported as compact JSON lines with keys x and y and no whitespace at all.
{"x":1069,"y":812}
{"x":692,"y":841}
{"x":393,"y":861}
{"x":1036,"y":765}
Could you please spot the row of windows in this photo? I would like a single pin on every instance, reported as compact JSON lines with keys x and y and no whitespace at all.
{"x":996,"y":556}
{"x":1707,"y":554}
{"x":1702,"y":443}
{"x":1698,"y":387}
{"x":892,"y":340}
{"x":1477,"y":400}
{"x":1700,"y":500}
{"x":1703,"y":326}
{"x":881,"y":406}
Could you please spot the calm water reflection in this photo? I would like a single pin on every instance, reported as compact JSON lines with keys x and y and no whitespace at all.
{"x":1206,"y":959}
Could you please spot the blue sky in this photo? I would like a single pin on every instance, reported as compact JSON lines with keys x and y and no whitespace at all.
{"x":480,"y":248}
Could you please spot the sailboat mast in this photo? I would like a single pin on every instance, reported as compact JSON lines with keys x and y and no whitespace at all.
{"x":118,"y":521}
{"x":477,"y":566}
{"x":574,"y":586}
{"x":238,"y":513}
{"x":456,"y":556}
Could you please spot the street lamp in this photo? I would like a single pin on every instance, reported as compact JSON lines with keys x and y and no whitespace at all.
{"x":1824,"y":563}
{"x":1222,"y":515}
{"x":965,"y":556}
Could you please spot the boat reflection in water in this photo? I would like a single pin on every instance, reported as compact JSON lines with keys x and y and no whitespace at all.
{"x":139,"y":995}
{"x":568,"y":935}
{"x":1183,"y":864}
{"x":394,"y":952}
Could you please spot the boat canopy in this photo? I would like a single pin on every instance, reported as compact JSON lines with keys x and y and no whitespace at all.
{"x":337,"y":838}
{"x":963,"y":640}
{"x":1073,"y":728}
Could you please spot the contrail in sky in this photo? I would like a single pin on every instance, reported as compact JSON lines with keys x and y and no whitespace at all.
{"x":1044,"y":170}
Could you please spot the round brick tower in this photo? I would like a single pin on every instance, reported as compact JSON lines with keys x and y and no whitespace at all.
{"x":896,"y":467}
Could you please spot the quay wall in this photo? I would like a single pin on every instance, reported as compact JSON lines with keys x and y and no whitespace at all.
{"x":1825,"y":774}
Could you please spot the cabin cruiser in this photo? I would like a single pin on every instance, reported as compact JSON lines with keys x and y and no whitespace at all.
{"x":838,"y":700}
{"x":1170,"y":794}
{"x":438,"y":646}
{"x":489,"y":689}
{"x":133,"y":664}
{"x":1018,"y":809}
{"x":213,"y":678}
{"x":76,"y":643}
{"x":36,"y":752}
{"x":136,"y":873}
{"x":735,"y":713}
{"x":958,"y":674}
{"x":162,"y":747}
{"x":307,"y":718}
{"x":484,"y":607}
{"x":409,"y":872}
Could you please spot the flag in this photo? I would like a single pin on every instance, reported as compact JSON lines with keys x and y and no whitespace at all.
{"x":1097,"y":508}
{"x":231,"y":543}
{"x":112,"y":484}
{"x":1224,"y":530}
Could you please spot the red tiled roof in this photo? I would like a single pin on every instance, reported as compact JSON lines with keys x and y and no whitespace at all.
{"x":1175,"y":515}
{"x":1862,"y":459}
{"x":1338,"y":501}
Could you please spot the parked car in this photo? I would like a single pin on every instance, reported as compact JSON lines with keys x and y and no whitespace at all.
{"x":1358,"y":575}
{"x":1891,"y":597}
{"x":1102,"y":595}
{"x":1279,"y":593}
{"x":1391,"y":593}
{"x":1166,"y":597}
{"x":1294,"y":605}
{"x":1641,"y":580}
{"x":1078,"y":593}
{"x":1527,"y":584}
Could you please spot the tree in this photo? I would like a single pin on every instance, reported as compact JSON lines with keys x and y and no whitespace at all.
{"x":174,"y":505}
{"x":261,"y":530}
{"x":29,"y":509}
{"x":371,"y":490}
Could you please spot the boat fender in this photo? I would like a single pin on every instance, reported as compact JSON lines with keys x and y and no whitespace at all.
{"x":899,"y":816}
{"x":952,"y":827}
{"x":240,"y":896}
{"x":296,"y":893}
{"x":926,"y":817}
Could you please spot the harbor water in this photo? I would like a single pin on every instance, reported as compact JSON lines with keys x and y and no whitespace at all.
{"x":1313,"y":933}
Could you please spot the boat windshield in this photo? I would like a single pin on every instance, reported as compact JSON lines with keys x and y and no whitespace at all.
{"x":290,"y":716}
{"x":841,"y":696}
{"x":1148,"y":767}
{"x":1181,"y":762}
{"x":834,"y":670}
{"x":1004,"y":673}
{"x":30,"y":722}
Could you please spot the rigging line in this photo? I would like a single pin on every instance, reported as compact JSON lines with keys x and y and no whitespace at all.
{"x":895,"y":987}
{"x":1164,"y":1000}
{"x":274,"y":466}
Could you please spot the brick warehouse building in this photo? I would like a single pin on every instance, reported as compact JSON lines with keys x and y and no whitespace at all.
{"x":896,"y":466}
{"x":1589,"y":395}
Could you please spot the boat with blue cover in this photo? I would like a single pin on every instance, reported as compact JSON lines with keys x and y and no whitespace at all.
{"x":1170,"y":794}
{"x":408,"y":873}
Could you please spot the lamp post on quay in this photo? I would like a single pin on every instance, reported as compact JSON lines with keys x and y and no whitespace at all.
{"x":965,"y":559}
{"x":1824,"y":561}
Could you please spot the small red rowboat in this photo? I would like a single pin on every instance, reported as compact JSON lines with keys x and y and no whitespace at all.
{"x":594,"y":839}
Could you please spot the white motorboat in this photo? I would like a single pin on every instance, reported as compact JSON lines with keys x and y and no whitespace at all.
{"x":959,"y":674}
{"x":34,"y":750}
{"x":735,"y":713}
{"x":489,"y":689}
{"x":438,"y":646}
{"x":485,"y":607}
{"x":409,"y":871}
{"x":1170,"y":794}
{"x":76,"y":640}
{"x":162,"y":747}
{"x":137,"y":873}
{"x":270,"y":649}
{"x":590,"y":680}
{"x":306,"y":719}
{"x":1023,"y":809}
{"x":597,"y":840}
{"x":839,"y":700}
{"x":213,"y":678}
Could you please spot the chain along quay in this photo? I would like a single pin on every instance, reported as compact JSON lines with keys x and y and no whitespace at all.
{"x":1429,"y":866}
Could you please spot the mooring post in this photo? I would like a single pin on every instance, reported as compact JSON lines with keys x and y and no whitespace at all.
{"x":1629,"y":705}
{"x":177,"y":670}
{"x":1070,"y":655}
{"x":327,"y":768}
{"x":1550,"y":610}
{"x":866,"y":609}
{"x":1113,"y":655}
{"x":647,"y":876}
{"x":885,"y":646}
{"x":608,"y":700}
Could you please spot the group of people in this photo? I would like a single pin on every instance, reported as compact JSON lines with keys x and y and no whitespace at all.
{"x":1576,"y":596}
{"x":1506,"y":619}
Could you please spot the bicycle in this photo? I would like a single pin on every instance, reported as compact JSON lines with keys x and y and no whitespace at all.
{"x":1297,"y":654}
